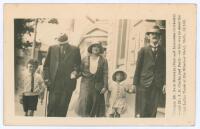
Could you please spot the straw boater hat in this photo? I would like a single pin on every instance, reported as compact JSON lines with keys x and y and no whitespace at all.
{"x":154,"y":29}
{"x":97,"y":44}
{"x":119,"y":71}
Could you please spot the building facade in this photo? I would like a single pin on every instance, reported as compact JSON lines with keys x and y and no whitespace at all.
{"x":122,"y":39}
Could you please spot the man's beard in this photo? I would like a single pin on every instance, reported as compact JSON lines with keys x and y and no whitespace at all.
{"x":154,"y":41}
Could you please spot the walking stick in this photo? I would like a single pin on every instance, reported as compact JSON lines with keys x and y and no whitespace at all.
{"x":47,"y":92}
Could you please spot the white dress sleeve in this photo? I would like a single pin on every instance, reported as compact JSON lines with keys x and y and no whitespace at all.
{"x":110,"y":87}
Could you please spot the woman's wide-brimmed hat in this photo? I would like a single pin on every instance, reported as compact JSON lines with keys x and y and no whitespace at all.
{"x":154,"y":29}
{"x":97,"y":44}
{"x":119,"y":71}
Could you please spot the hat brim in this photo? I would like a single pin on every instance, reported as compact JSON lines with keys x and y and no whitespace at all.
{"x":153,"y":31}
{"x":124,"y":75}
{"x":95,"y":44}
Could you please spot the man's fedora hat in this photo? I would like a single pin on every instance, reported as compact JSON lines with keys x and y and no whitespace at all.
{"x":154,"y":29}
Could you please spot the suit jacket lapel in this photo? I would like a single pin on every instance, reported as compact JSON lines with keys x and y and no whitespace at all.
{"x":57,"y":52}
{"x":68,"y":52}
{"x":158,"y":53}
{"x":151,"y":53}
{"x":100,"y":62}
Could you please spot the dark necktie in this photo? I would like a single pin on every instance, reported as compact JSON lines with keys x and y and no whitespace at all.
{"x":32,"y":82}
{"x":155,"y":50}
{"x":61,"y":51}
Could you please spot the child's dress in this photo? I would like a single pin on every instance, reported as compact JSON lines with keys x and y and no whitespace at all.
{"x":117,"y":99}
{"x":30,"y":99}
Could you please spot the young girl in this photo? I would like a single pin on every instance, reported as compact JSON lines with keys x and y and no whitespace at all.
{"x":32,"y":86}
{"x":117,"y":94}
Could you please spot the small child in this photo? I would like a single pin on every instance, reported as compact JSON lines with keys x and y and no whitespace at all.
{"x":117,"y":94}
{"x":32,"y":87}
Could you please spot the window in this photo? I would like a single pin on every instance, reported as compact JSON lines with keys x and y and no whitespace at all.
{"x":121,"y":50}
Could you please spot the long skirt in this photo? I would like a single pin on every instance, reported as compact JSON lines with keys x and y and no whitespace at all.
{"x":90,"y":103}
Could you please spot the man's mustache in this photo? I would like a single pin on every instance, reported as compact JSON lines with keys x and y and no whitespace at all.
{"x":155,"y":37}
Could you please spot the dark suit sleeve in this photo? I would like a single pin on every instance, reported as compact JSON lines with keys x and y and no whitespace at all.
{"x":105,"y":74}
{"x":164,"y":52}
{"x":77,"y":61}
{"x":138,"y":67}
{"x":46,"y":66}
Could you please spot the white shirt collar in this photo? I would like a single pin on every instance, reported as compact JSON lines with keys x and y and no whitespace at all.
{"x":153,"y":45}
{"x":119,"y":83}
{"x":61,"y":43}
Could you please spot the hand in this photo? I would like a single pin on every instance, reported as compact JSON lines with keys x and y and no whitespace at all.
{"x":73,"y":75}
{"x":164,"y":89}
{"x":103,"y":91}
{"x":132,"y":89}
{"x":48,"y":84}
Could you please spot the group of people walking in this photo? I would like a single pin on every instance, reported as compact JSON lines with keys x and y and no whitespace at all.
{"x":63,"y":66}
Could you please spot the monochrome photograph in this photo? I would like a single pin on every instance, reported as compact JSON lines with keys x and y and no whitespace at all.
{"x":102,"y":66}
{"x":66,"y":67}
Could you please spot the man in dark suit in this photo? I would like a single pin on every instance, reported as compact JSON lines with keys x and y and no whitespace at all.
{"x":150,"y":74}
{"x":60,"y":73}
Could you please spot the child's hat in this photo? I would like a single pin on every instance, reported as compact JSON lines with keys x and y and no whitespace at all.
{"x":119,"y":71}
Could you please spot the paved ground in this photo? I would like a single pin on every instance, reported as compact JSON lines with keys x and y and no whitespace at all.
{"x":41,"y":107}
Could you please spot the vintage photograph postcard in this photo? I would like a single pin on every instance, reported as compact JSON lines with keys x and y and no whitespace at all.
{"x":99,"y":64}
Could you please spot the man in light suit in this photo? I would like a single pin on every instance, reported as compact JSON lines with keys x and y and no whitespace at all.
{"x":150,"y":74}
{"x":60,"y":73}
